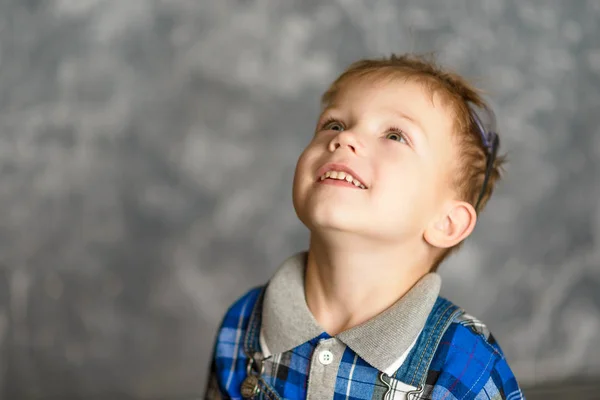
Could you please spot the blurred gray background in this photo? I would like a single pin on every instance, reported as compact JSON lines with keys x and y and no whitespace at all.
{"x":146,"y":157}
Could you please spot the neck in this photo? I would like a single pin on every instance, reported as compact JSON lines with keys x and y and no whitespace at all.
{"x":346,"y":285}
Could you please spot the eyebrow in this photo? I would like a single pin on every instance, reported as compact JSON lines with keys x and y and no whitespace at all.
{"x":412,"y":121}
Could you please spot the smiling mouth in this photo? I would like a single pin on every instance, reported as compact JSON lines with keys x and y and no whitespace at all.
{"x":342,"y":177}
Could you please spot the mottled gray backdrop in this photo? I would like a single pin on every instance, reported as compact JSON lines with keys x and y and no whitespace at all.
{"x":146,"y":158}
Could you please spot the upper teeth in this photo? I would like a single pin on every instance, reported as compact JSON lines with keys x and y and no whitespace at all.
{"x":342,"y":176}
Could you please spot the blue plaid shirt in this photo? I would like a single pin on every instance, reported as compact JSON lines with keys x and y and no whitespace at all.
{"x":445,"y":354}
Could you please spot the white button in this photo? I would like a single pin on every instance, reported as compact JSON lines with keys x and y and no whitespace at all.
{"x":325,"y":357}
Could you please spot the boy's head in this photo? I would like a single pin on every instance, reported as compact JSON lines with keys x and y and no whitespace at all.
{"x":398,"y":158}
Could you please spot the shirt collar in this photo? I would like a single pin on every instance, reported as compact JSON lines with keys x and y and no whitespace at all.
{"x":287,"y":322}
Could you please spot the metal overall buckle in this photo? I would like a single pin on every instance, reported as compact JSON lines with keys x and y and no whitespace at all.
{"x":410,"y":395}
{"x":254,"y":369}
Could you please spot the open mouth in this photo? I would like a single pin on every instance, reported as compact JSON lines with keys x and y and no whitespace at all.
{"x":343,"y":177}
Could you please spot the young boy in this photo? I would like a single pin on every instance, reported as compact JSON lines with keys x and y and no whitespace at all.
{"x":401,"y":163}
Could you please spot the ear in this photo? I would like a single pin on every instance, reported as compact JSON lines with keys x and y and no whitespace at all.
{"x":452,"y":226}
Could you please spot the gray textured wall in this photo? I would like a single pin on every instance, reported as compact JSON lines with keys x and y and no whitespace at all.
{"x":146,"y":157}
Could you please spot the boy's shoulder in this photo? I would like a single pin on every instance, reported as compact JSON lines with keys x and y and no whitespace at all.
{"x":238,"y":313}
{"x":469,"y":360}
{"x":228,"y":367}
{"x":468,"y":328}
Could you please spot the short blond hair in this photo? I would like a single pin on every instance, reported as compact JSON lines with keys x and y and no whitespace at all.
{"x":460,"y":96}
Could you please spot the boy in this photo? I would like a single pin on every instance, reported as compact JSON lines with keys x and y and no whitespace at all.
{"x":400,"y":164}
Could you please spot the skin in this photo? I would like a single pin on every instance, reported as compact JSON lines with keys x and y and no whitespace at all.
{"x":368,"y":247}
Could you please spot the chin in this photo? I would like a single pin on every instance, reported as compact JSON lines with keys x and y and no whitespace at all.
{"x":338,"y":223}
{"x":331,"y":219}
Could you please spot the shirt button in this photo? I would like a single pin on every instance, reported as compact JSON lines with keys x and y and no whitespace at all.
{"x":325,"y":357}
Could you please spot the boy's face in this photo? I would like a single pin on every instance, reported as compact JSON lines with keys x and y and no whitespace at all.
{"x":394,"y":138}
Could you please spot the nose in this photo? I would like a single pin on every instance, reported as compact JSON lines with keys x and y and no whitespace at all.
{"x":347,"y":140}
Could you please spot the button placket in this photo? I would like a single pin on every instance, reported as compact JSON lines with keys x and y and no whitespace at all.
{"x":325,"y":362}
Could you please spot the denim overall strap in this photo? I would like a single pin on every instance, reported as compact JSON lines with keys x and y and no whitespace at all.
{"x":253,"y":351}
{"x":414,"y":369}
{"x":252,"y":337}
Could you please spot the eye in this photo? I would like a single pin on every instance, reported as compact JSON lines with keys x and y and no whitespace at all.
{"x":397,"y":135}
{"x":333,"y":125}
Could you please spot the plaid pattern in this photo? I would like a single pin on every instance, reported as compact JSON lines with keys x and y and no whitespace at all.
{"x":287,"y":373}
{"x":468,"y":364}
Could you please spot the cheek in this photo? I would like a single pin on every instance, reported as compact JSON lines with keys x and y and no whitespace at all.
{"x":405,"y":183}
{"x":304,"y":167}
{"x":308,"y":158}
{"x":401,"y":169}
{"x":303,"y":163}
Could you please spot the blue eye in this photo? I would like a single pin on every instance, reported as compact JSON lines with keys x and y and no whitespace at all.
{"x":395,"y":135}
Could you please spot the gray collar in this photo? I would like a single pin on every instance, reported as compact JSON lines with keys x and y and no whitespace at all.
{"x":287,"y":322}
